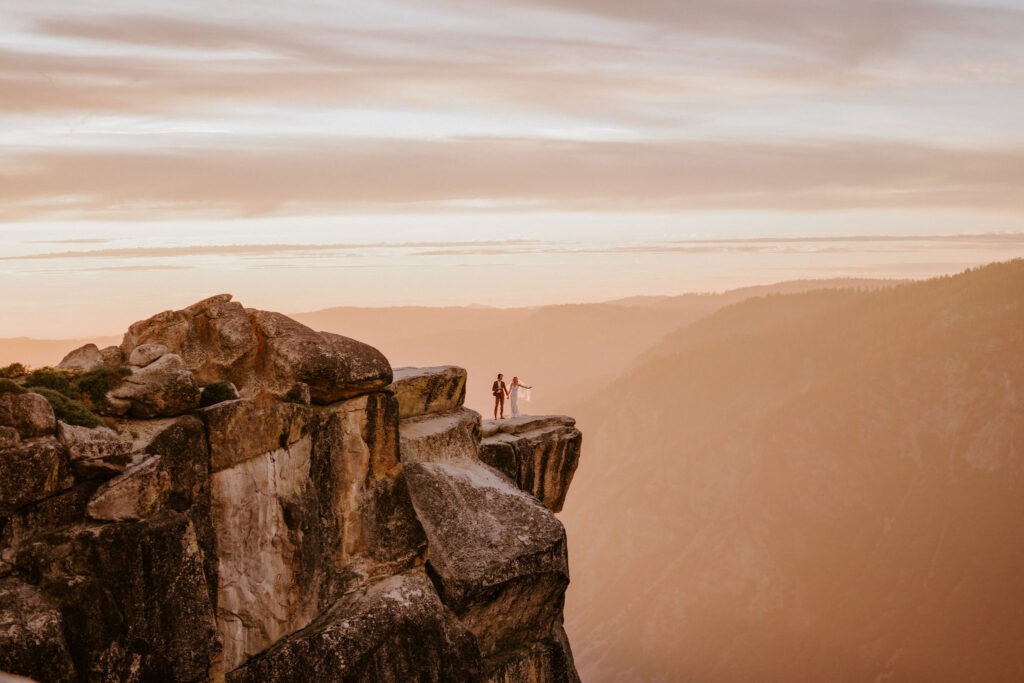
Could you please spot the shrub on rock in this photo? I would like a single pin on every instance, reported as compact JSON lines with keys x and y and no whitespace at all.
{"x":217,"y":392}
{"x":58,"y":380}
{"x":67,"y":409}
{"x":9,"y":386}
{"x":92,"y":386}
{"x":13,"y":370}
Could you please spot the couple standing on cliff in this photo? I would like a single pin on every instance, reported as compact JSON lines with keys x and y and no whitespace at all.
{"x":500,"y":391}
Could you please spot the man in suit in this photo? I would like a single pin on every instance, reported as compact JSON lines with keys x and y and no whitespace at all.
{"x":500,"y":391}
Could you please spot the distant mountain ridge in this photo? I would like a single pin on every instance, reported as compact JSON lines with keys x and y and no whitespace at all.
{"x":566,"y":349}
{"x":815,"y":486}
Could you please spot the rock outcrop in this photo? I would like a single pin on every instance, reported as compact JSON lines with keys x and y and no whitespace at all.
{"x":330,"y":520}
{"x":539,"y":453}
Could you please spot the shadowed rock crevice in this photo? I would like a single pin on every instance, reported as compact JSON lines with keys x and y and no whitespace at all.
{"x":332,"y":520}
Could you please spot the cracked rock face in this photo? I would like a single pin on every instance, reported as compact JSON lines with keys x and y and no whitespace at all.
{"x":335,"y":522}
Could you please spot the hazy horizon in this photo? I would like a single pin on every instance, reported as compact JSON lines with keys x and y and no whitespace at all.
{"x":59,"y":289}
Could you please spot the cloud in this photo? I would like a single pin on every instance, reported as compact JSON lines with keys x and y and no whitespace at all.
{"x":280,"y":256}
{"x":615,"y":71}
{"x":84,"y":240}
{"x":248,"y":250}
{"x":304,"y":176}
{"x":774,"y":245}
{"x":841,"y":30}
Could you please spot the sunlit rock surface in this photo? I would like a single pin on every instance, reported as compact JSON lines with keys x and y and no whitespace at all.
{"x":334,"y":522}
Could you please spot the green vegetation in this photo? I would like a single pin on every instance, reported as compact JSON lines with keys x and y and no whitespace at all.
{"x":58,"y":380}
{"x":13,"y":370}
{"x":217,"y":392}
{"x":68,"y":410}
{"x":8,"y":386}
{"x":89,"y":388}
{"x":94,"y":384}
{"x":74,"y":395}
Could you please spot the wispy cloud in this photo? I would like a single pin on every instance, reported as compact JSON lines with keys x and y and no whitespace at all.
{"x":245,"y":250}
{"x":306,"y":176}
{"x":838,"y":29}
{"x":300,"y":255}
{"x":773,"y":245}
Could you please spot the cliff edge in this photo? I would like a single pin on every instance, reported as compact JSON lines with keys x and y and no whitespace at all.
{"x":240,"y":498}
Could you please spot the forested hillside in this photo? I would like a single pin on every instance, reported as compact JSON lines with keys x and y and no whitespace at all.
{"x":819,"y":486}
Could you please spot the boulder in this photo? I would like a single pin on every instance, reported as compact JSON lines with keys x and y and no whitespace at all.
{"x":394,"y":630}
{"x":368,"y":368}
{"x":138,"y":493}
{"x":33,"y":470}
{"x":32,"y":634}
{"x":421,"y":391}
{"x":94,"y":452}
{"x":440,"y":437}
{"x":9,"y":437}
{"x":259,"y":351}
{"x":112,"y":356}
{"x":244,"y":428}
{"x":89,"y":357}
{"x":83,"y":358}
{"x":30,"y":414}
{"x":163,"y":388}
{"x":144,"y":354}
{"x":539,"y":454}
{"x":498,"y":555}
{"x":333,"y":366}
{"x":213,"y":336}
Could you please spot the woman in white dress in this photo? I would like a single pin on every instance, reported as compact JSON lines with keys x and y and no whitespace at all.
{"x":513,"y":394}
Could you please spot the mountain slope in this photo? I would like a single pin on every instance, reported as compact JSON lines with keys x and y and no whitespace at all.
{"x":821,"y":486}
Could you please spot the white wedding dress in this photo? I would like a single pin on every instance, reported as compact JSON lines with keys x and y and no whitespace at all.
{"x":513,"y":394}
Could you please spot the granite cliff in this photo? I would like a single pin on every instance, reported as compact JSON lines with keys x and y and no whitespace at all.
{"x":264,"y":502}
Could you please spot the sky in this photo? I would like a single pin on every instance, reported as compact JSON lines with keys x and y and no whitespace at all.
{"x":308,"y":154}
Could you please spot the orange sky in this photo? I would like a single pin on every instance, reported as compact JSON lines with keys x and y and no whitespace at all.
{"x":495,"y":152}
